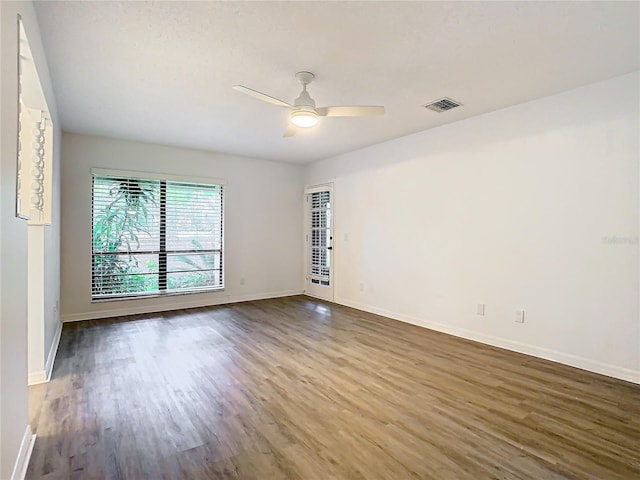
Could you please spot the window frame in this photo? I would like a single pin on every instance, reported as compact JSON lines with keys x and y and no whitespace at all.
{"x":161,"y":177}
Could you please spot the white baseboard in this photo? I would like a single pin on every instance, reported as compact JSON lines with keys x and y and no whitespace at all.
{"x":44,"y":376}
{"x":137,"y":310}
{"x":24,"y":455}
{"x":614,"y":371}
{"x":53,"y":350}
{"x":35,"y":378}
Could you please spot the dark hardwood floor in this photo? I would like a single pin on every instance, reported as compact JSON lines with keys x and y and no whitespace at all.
{"x":294,"y":388}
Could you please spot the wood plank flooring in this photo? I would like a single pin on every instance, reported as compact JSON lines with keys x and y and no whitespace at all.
{"x":294,"y":388}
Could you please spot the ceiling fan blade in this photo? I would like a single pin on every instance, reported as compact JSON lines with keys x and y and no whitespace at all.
{"x":350,"y":111}
{"x":260,"y":96}
{"x":289,"y":132}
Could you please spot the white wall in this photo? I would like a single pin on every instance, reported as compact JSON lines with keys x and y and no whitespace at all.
{"x":44,"y":326}
{"x":13,"y":237}
{"x":533,"y":207}
{"x":263,"y":227}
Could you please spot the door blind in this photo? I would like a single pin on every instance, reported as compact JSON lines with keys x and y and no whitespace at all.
{"x":319,"y":241}
{"x":152,"y":237}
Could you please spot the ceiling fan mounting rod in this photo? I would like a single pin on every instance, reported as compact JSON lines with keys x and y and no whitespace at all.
{"x":304,"y":99}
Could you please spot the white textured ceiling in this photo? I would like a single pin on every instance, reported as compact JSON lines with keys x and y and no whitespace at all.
{"x":162,"y":72}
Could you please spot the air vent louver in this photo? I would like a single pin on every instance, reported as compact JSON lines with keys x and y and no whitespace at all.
{"x":442,"y":105}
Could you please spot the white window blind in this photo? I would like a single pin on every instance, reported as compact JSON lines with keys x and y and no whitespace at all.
{"x":154,"y":236}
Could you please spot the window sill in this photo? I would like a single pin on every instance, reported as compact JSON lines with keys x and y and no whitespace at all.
{"x":156,"y":295}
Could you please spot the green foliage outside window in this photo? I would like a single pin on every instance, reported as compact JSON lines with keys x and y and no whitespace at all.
{"x":118,"y":225}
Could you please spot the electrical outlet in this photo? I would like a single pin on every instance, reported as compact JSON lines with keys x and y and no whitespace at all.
{"x":362,"y":287}
{"x":519,"y":316}
{"x":480,"y":309}
{"x":242,"y":281}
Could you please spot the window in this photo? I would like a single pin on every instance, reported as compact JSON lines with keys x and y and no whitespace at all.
{"x":155,"y":235}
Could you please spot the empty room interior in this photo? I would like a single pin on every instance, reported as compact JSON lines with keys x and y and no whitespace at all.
{"x":320,"y":240}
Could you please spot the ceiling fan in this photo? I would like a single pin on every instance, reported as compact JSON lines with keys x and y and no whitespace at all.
{"x":303,"y":112}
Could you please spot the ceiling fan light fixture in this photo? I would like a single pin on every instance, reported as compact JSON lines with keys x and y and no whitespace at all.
{"x":304,"y":119}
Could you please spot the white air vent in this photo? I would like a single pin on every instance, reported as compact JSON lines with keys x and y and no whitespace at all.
{"x":442,"y":105}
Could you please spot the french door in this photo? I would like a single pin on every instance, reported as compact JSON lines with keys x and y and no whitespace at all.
{"x":319,"y":241}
